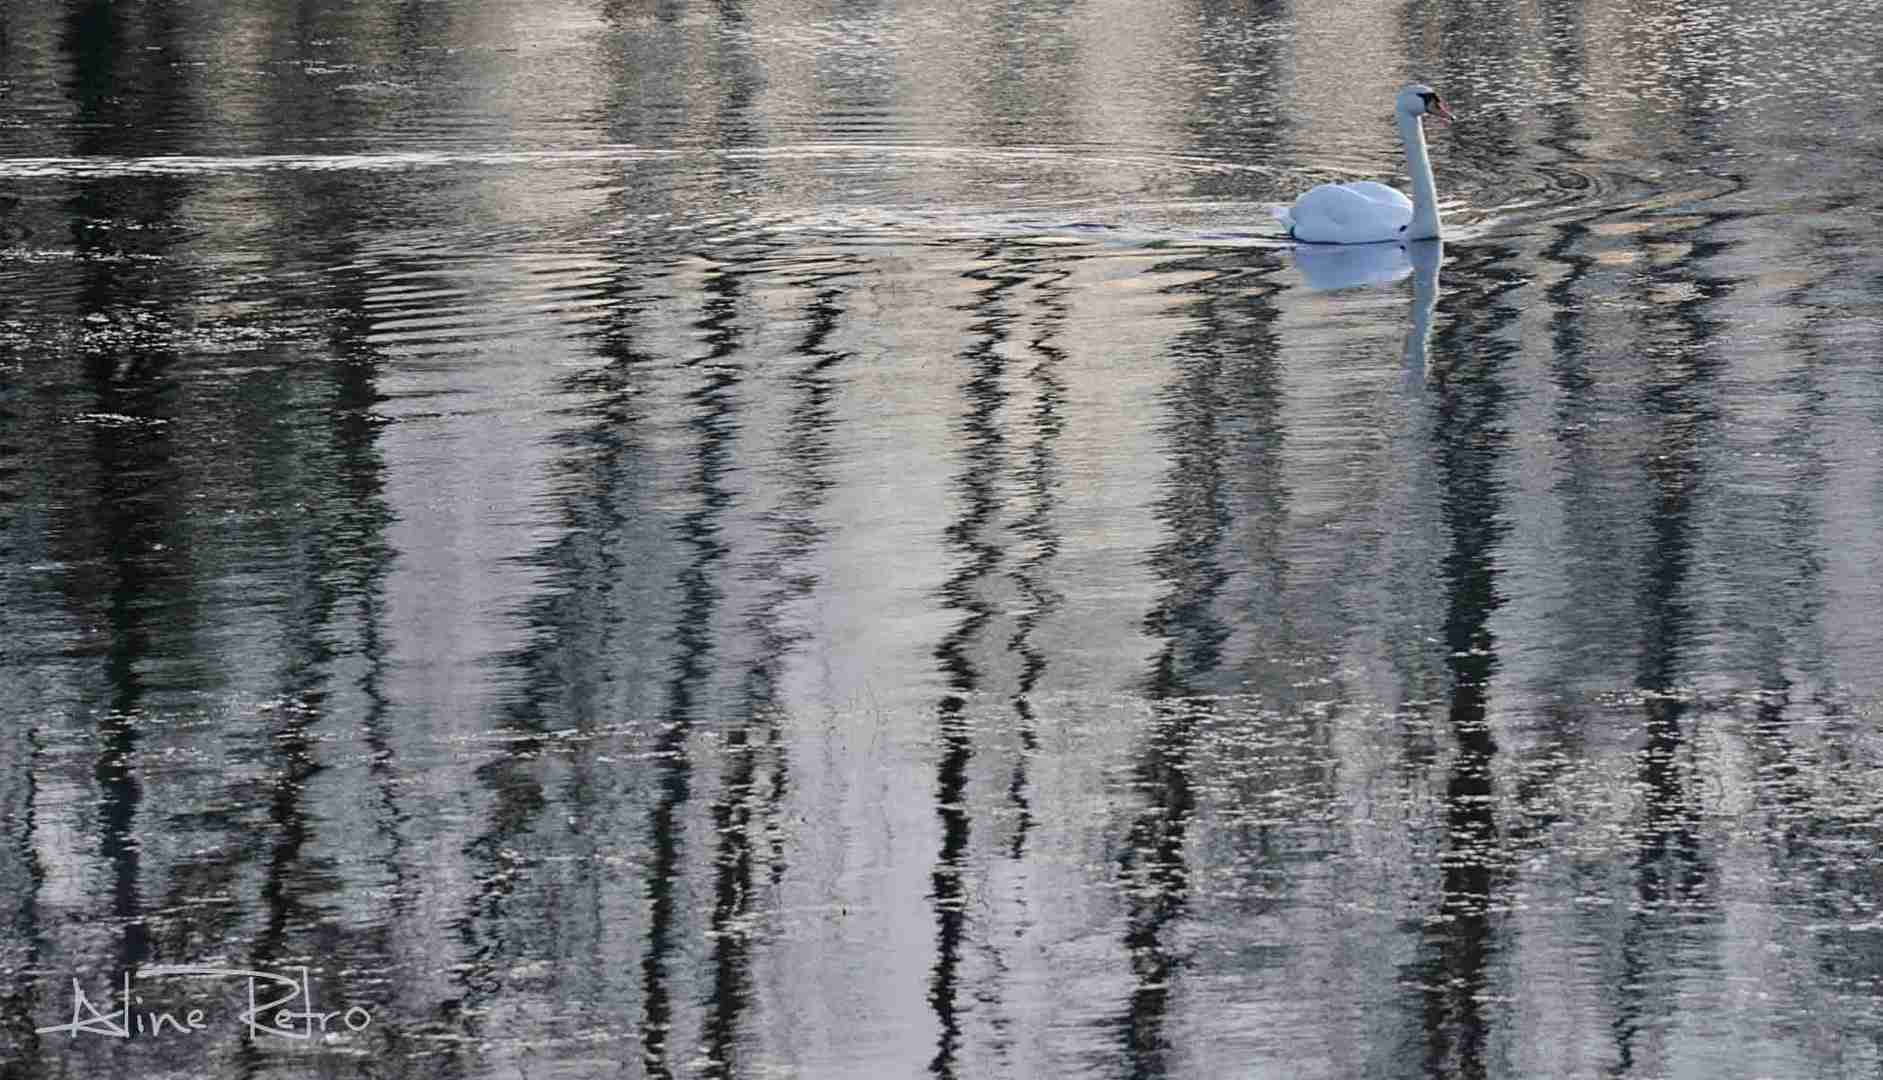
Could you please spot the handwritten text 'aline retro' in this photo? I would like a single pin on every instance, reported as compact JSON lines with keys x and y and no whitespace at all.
{"x":271,"y":996}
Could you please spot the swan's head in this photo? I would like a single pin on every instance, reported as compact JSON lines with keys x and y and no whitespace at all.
{"x":1421,"y":100}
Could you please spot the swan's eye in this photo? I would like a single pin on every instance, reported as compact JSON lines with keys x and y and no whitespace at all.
{"x":1431,"y":100}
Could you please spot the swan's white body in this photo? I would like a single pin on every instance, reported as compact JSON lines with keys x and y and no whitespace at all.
{"x":1369,"y":213}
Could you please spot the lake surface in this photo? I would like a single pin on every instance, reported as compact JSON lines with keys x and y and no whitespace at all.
{"x":841,"y":540}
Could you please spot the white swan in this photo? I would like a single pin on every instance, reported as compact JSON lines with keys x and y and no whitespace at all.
{"x":1370,"y":213}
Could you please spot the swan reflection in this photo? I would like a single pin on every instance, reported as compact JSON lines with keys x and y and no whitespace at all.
{"x":1425,"y":256}
{"x":1326,"y":267}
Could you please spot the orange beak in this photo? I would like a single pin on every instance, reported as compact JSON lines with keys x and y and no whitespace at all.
{"x":1439,"y":110}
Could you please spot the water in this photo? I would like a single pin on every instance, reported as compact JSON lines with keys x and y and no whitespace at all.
{"x":834,"y":540}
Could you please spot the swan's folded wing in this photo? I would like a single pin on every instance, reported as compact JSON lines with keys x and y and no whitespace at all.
{"x":1379,"y":193}
{"x":1350,"y":213}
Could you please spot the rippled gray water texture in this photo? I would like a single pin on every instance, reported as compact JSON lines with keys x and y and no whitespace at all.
{"x":572,"y":538}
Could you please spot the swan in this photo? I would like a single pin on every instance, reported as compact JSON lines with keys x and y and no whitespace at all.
{"x":1370,"y":213}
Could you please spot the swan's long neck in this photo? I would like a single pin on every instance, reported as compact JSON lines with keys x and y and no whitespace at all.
{"x":1424,"y":195}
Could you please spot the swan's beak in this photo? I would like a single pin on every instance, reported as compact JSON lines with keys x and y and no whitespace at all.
{"x":1439,"y":110}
